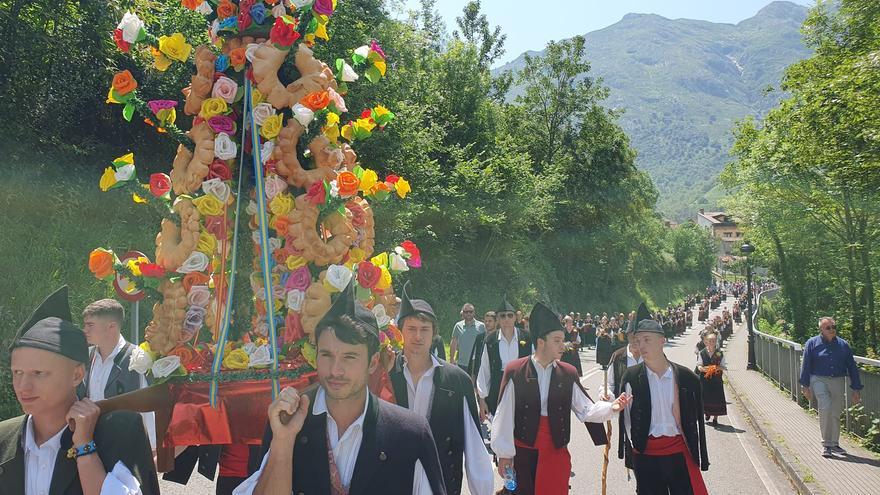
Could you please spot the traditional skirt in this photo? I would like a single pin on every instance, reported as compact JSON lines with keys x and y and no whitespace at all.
{"x":714,"y":400}
{"x":667,"y":467}
{"x":541,"y":468}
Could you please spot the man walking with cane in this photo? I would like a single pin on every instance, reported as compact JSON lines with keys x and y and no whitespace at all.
{"x":827,"y":360}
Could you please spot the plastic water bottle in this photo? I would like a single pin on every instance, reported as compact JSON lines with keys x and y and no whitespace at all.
{"x":509,"y":479}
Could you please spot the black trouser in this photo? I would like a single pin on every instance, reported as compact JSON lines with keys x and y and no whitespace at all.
{"x":662,"y":475}
{"x":225,"y":484}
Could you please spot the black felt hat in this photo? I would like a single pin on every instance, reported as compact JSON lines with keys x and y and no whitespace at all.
{"x":543,"y":320}
{"x":409,"y":307}
{"x":50,"y":328}
{"x":505,"y":306}
{"x":347,"y":304}
{"x":642,"y":313}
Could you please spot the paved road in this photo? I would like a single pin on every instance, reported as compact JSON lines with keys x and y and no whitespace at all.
{"x":740,"y":464}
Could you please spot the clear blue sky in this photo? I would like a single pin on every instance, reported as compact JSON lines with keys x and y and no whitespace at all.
{"x":529,"y":25}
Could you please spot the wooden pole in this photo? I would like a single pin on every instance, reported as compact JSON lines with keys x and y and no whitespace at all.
{"x":608,"y":443}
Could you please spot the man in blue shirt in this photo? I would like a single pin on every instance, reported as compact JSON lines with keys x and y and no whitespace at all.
{"x":827,"y":360}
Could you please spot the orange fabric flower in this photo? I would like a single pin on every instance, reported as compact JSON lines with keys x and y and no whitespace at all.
{"x":187,"y":356}
{"x":194,"y":278}
{"x":282,"y":223}
{"x":101,"y":263}
{"x":316,"y":101}
{"x":237,"y":57}
{"x":347,"y":183}
{"x":191,"y":4}
{"x":225,"y":9}
{"x":124,"y":83}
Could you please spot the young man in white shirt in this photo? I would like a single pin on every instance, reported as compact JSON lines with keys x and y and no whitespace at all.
{"x":62,"y":445}
{"x":444,"y":394}
{"x":340,"y":439}
{"x":663,"y":434}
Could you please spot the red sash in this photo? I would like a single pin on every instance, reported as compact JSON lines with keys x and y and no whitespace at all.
{"x":554,"y":465}
{"x":661,"y":446}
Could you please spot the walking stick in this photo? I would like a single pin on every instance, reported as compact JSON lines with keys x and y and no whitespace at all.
{"x":608,"y":443}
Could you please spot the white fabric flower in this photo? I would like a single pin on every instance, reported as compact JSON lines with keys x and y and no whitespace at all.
{"x":249,"y":348}
{"x":131,"y":26}
{"x":251,"y":208}
{"x":225,"y":88}
{"x":274,"y":243}
{"x":279,"y":10}
{"x":199,"y":295}
{"x":363,"y":51}
{"x":334,"y":189}
{"x":262,"y":112}
{"x":382,"y":319}
{"x":275,"y":185}
{"x":124,"y":173}
{"x":140,"y":361}
{"x":266,"y":151}
{"x":278,"y":292}
{"x":295,"y":299}
{"x":224,"y":147}
{"x":348,"y":73}
{"x":338,"y":276}
{"x":218,"y":189}
{"x":204,"y":9}
{"x":303,"y":114}
{"x":215,"y":28}
{"x":398,"y":264}
{"x":165,"y":366}
{"x":197,"y":262}
{"x":301,"y":3}
{"x":337,"y":100}
{"x":250,"y":51}
{"x":260,"y":357}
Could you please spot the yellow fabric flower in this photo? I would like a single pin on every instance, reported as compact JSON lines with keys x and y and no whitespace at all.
{"x":237,"y":359}
{"x":385,"y":280}
{"x":294,"y":262}
{"x":309,"y":353}
{"x":138,"y":199}
{"x":175,"y":47}
{"x":402,"y":188}
{"x":134,"y":265}
{"x":332,"y":119}
{"x":207,"y":243}
{"x":208,"y":205}
{"x":321,"y":32}
{"x":380,"y":111}
{"x":368,"y":180}
{"x":347,"y":132}
{"x":380,"y":259}
{"x":367,"y":124}
{"x":331,"y":133}
{"x":357,"y":255}
{"x":108,"y":180}
{"x":212,"y":107}
{"x":257,"y":97}
{"x":160,"y":61}
{"x":281,"y":204}
{"x":271,"y":126}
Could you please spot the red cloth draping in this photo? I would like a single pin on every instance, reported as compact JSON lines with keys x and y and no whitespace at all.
{"x":676,"y":445}
{"x":554,"y":465}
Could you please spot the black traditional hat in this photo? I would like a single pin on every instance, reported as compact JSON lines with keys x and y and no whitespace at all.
{"x":543,"y":320}
{"x":409,"y":307}
{"x":505,"y":306}
{"x":49,"y":328}
{"x":347,"y":304}
{"x":642,"y":313}
{"x":648,"y":325}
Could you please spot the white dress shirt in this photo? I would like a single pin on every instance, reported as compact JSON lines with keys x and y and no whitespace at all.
{"x":585,"y":410}
{"x":507,"y":349}
{"x":345,"y":449}
{"x":662,"y":389}
{"x":477,"y":460}
{"x":630,"y":361}
{"x":99,"y":373}
{"x":39,"y":466}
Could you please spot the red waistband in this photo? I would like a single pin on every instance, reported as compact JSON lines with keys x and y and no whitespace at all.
{"x":665,"y":445}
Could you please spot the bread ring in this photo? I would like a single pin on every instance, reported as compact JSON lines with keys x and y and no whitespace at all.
{"x":304,"y":237}
{"x":202,"y":81}
{"x":315,"y":305}
{"x":164,"y":330}
{"x":287,"y":163}
{"x":175,"y":243}
{"x":190,"y":168}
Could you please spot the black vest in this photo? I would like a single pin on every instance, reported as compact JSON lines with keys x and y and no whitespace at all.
{"x":495,"y":367}
{"x":451,"y":386}
{"x":393,"y":440}
{"x":121,"y":379}
{"x":690,"y":400}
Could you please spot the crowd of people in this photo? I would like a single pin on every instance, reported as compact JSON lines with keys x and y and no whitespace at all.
{"x":410,"y":422}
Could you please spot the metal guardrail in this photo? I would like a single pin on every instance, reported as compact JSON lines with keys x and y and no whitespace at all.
{"x":781,"y":360}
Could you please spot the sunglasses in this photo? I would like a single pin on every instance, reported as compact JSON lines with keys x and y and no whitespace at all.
{"x":506,"y":315}
{"x":831,"y":327}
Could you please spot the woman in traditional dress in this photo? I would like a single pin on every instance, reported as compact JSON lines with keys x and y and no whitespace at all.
{"x":710,"y":365}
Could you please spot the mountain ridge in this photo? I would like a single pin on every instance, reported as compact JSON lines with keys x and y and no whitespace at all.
{"x":683,"y":84}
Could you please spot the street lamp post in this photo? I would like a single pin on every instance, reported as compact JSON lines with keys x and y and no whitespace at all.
{"x":748,"y":249}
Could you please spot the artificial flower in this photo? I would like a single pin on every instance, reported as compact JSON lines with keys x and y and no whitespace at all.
{"x":348,"y":184}
{"x":152,"y":270}
{"x":382,"y":318}
{"x":369,"y":179}
{"x":224,"y":147}
{"x":284,"y":33}
{"x":317,"y":193}
{"x":368,"y":274}
{"x":175,"y":47}
{"x":221,"y":63}
{"x":160,"y":61}
{"x":337,"y":100}
{"x":337,"y":278}
{"x":218,"y":189}
{"x":124,"y":83}
{"x":237,"y":58}
{"x":222,"y":123}
{"x":194,"y":278}
{"x":208,"y":205}
{"x":196,"y":262}
{"x":207,"y":243}
{"x":295,"y":299}
{"x":398,"y":264}
{"x":191,"y":4}
{"x":303,"y":114}
{"x":272,"y":126}
{"x":165,"y":366}
{"x":212,"y":107}
{"x":160,"y":184}
{"x":316,"y":101}
{"x":299,"y":279}
{"x":194,"y":320}
{"x":281,"y":204}
{"x":258,"y":13}
{"x":274,"y":186}
{"x":324,"y":7}
{"x":131,"y":27}
{"x":295,"y":262}
{"x":401,"y":187}
{"x":141,"y":359}
{"x":219,"y":170}
{"x":237,"y":359}
{"x":121,"y":44}
{"x":415,"y":259}
{"x":260,"y":358}
{"x":251,"y":50}
{"x":101,"y":262}
{"x":261,"y":112}
{"x":225,"y":88}
{"x":347,"y":73}
{"x":226,"y":9}
{"x":199,"y":295}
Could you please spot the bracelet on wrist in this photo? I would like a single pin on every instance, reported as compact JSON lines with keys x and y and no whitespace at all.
{"x":82,"y":450}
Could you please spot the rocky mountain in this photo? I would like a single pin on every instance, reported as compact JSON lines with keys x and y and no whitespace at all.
{"x":683,"y":84}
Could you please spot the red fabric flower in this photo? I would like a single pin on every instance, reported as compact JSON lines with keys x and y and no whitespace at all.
{"x":215,"y":226}
{"x":152,"y":270}
{"x":391,"y":179}
{"x":368,"y":274}
{"x":219,"y":170}
{"x":317,"y":195}
{"x":282,"y":33}
{"x":160,"y":184}
{"x":123,"y":45}
{"x":415,"y":259}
